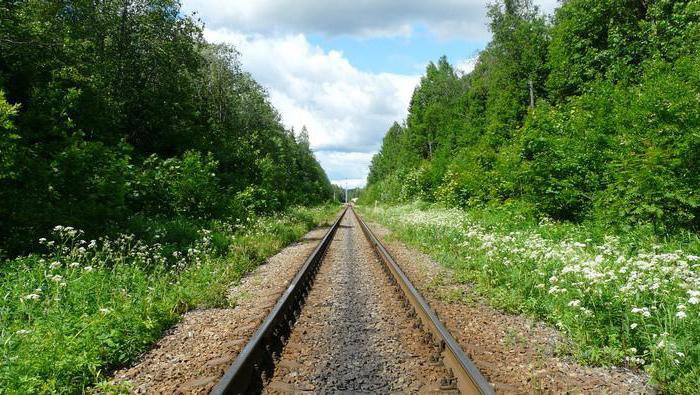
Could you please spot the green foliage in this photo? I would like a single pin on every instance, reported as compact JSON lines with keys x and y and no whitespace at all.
{"x":119,"y":109}
{"x":610,"y":39}
{"x":592,"y":40}
{"x":626,"y":300}
{"x":88,"y":182}
{"x":82,"y":308}
{"x":613,"y":134}
{"x":8,"y":137}
{"x":611,"y":145}
{"x":177,"y":187}
{"x":654,"y":174}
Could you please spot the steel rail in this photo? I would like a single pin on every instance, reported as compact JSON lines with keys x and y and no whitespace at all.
{"x":247,"y":372}
{"x":465,"y":376}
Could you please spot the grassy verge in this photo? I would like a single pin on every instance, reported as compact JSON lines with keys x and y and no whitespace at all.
{"x":85,"y":307}
{"x":631,"y":299}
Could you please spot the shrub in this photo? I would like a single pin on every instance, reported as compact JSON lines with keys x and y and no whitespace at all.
{"x":186,"y":186}
{"x":655,"y":171}
{"x":88,"y":185}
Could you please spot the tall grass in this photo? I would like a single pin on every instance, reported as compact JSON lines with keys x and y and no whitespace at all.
{"x":625,"y":299}
{"x":84,"y":307}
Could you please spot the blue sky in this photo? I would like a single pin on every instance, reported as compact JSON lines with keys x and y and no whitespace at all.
{"x":345,"y":70}
{"x":403,"y":54}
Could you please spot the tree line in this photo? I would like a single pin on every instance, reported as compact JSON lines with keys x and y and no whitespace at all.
{"x":115,"y":115}
{"x":590,"y":115}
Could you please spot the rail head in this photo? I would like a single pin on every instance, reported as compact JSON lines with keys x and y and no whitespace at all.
{"x":469,"y":380}
{"x":256,"y":357}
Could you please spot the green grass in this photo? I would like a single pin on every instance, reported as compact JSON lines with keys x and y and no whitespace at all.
{"x":83,"y":308}
{"x":630,"y":299}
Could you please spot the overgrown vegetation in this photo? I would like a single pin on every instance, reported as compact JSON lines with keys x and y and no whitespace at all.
{"x":630,"y":299}
{"x":83,"y":307}
{"x":590,"y":122}
{"x":116,"y":113}
{"x":614,"y":134}
{"x":118,"y":119}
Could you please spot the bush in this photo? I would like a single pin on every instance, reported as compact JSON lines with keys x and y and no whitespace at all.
{"x":468,"y":181}
{"x":88,"y":185}
{"x":564,"y":151}
{"x":254,"y":200}
{"x":186,"y":186}
{"x":655,"y":172}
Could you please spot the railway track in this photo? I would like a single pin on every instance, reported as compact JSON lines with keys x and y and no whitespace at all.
{"x":358,"y":325}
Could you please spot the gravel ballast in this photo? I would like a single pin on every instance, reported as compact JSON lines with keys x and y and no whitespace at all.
{"x":354,"y":334}
{"x":195,"y":353}
{"x":517,"y":354}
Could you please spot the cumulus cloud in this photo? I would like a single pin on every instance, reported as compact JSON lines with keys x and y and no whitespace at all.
{"x":358,"y":18}
{"x":368,"y":18}
{"x":346,"y":111}
{"x":343,"y":108}
{"x":345,"y":166}
{"x":467,"y":65}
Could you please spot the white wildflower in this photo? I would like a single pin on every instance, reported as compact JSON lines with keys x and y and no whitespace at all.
{"x":633,"y":325}
{"x":681,"y":314}
{"x":574,"y":303}
{"x":32,"y":297}
{"x":88,"y":268}
{"x":23,"y":332}
{"x":635,"y":360}
{"x":74,"y":264}
{"x":644,"y":311}
{"x":105,"y":310}
{"x":55,"y":265}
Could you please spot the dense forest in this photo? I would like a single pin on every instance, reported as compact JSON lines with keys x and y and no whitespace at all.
{"x":590,"y":115}
{"x":117,"y":116}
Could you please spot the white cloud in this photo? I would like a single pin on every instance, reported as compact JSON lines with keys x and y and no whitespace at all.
{"x":345,"y":165}
{"x":350,"y":182}
{"x":367,"y":18}
{"x":466,"y":66}
{"x":346,"y":111}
